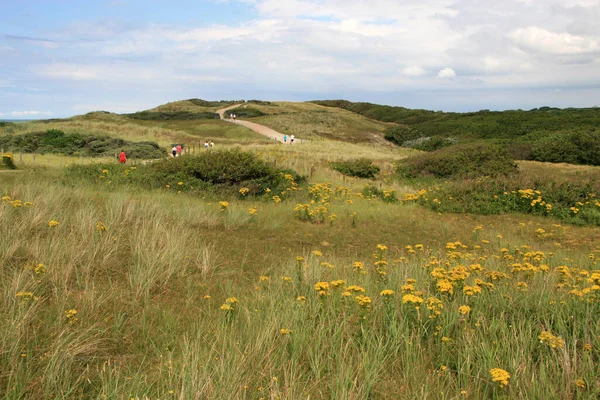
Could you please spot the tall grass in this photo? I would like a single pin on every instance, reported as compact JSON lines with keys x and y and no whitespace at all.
{"x":149,"y":283}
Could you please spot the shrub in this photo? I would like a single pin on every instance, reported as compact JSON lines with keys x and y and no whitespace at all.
{"x":434,"y":143}
{"x":7,"y":161}
{"x":360,"y":168}
{"x":461,"y":161}
{"x":245,"y":112}
{"x":575,"y":147}
{"x":223,"y":172}
{"x":401,"y":134}
{"x":172,"y":115}
{"x":57,"y":142}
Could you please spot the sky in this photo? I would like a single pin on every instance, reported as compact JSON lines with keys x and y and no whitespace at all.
{"x":60,"y":58}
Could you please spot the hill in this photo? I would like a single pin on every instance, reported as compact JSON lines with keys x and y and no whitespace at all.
{"x":541,"y":134}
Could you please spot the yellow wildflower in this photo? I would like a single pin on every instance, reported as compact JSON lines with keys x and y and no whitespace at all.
{"x":500,"y":376}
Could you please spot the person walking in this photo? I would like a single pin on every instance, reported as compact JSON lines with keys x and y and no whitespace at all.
{"x":284,"y":139}
{"x":122,"y":157}
{"x":174,"y":151}
{"x":179,"y":149}
{"x":212,"y":144}
{"x":234,"y":120}
{"x":292,"y":139}
{"x":206,"y":145}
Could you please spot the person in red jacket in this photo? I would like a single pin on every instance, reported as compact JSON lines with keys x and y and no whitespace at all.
{"x":122,"y":157}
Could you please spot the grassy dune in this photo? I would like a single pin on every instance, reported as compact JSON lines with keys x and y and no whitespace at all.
{"x":311,"y":121}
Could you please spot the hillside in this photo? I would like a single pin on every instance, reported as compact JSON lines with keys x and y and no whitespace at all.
{"x":542,"y":134}
{"x":312,"y":121}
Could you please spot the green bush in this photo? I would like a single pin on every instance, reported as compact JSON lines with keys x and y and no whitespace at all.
{"x":172,"y":115}
{"x":57,"y":142}
{"x":460,"y":161}
{"x":245,"y":112}
{"x":581,"y":146}
{"x":8,"y":161}
{"x":401,"y":134}
{"x":360,"y":168}
{"x":223,"y":172}
{"x":433,"y":144}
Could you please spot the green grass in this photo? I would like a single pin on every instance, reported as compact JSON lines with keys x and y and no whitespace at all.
{"x":145,"y":328}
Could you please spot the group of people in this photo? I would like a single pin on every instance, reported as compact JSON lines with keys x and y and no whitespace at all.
{"x":291,"y":139}
{"x":177,"y":150}
{"x":232,"y":117}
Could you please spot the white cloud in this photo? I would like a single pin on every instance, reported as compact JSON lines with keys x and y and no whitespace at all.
{"x":541,"y":40}
{"x":446,"y":73}
{"x":413,"y":71}
{"x":1,"y":114}
{"x":30,"y":113}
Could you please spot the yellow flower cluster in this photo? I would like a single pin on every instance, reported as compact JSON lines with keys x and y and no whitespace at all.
{"x":553,"y":341}
{"x":500,"y":376}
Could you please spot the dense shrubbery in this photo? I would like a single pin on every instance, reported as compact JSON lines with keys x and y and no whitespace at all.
{"x":220,"y":103}
{"x":567,"y":135}
{"x":172,"y":115}
{"x":575,"y":201}
{"x":213,"y":171}
{"x":261,"y":102}
{"x":461,"y":161}
{"x":245,"y":112}
{"x":360,"y":168}
{"x":55,"y":141}
{"x":401,"y":134}
{"x":581,"y":146}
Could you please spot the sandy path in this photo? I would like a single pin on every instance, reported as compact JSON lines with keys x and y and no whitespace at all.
{"x":263,"y":130}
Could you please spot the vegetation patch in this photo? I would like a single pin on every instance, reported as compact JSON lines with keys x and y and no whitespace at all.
{"x":7,"y":161}
{"x":224,"y":171}
{"x":171,"y":115}
{"x":461,"y":161}
{"x":246,"y":112}
{"x":360,"y":168}
{"x":55,"y":141}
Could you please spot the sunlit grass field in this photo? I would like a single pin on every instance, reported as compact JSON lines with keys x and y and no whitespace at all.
{"x":120,"y":294}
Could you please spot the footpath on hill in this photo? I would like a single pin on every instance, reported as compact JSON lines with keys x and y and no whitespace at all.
{"x":263,"y":130}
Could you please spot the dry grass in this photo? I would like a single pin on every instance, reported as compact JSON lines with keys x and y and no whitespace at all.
{"x":311,"y":121}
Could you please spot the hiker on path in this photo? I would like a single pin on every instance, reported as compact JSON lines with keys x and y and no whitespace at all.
{"x":292,"y":139}
{"x":284,"y":138}
{"x":234,"y":118}
{"x":179,"y":149}
{"x":212,"y":144}
{"x":174,"y":151}
{"x":122,"y":157}
{"x":206,"y":145}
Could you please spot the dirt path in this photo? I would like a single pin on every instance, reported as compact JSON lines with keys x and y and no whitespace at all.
{"x":263,"y":130}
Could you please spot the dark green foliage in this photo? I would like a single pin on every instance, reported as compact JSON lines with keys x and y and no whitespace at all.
{"x":433,"y":144}
{"x":378,"y":112}
{"x":172,"y":115}
{"x":360,"y":168}
{"x":245,"y":112}
{"x":461,"y":161}
{"x":564,"y":133}
{"x":223,"y":172}
{"x":401,"y":134}
{"x":261,"y":102}
{"x":220,"y":103}
{"x":581,"y":146}
{"x":55,"y":141}
{"x":226,"y":166}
